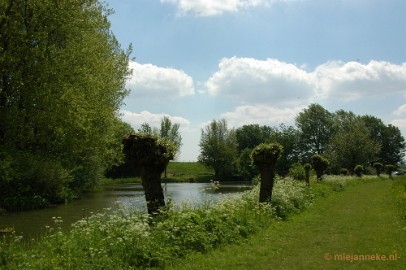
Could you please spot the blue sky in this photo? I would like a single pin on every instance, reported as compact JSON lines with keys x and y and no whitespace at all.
{"x":260,"y":61}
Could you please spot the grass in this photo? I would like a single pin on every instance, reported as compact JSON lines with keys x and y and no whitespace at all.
{"x":177,"y":172}
{"x":346,"y":216}
{"x":188,"y":172}
{"x":367,"y":219}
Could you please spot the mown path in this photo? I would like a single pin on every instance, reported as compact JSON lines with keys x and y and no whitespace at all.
{"x":362,"y":220}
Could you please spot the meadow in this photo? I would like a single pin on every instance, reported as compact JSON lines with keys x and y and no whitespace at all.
{"x":185,"y":237}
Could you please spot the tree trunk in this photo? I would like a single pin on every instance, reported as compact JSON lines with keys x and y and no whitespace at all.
{"x":307,"y":172}
{"x":267,"y":180}
{"x":151,"y":182}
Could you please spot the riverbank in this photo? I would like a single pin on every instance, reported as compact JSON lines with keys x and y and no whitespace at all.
{"x":176,"y":172}
{"x":126,"y":238}
{"x":361,"y":228}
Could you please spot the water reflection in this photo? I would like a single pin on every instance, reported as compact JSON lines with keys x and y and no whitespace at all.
{"x":32,"y":223}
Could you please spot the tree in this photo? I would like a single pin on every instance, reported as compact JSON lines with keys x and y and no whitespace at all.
{"x":150,"y":156}
{"x":352,"y":145}
{"x":320,"y":165}
{"x":378,"y":168}
{"x":307,"y":168}
{"x":289,"y":137}
{"x":171,"y":132}
{"x":315,"y":126}
{"x":218,"y":148}
{"x":249,"y":136}
{"x":62,"y":81}
{"x":265,"y":156}
{"x":389,"y":170}
{"x":392,"y":143}
{"x":358,"y":170}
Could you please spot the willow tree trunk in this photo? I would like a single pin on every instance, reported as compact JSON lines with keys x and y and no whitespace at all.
{"x":154,"y":195}
{"x":267,"y":181}
{"x":307,"y":176}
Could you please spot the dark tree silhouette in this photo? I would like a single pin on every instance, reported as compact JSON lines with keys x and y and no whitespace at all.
{"x":265,"y":156}
{"x":150,"y":156}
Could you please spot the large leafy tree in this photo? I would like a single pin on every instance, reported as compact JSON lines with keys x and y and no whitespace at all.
{"x":171,"y":132}
{"x":249,"y":136}
{"x":389,"y":137}
{"x":62,"y":81}
{"x":352,"y":143}
{"x":218,"y":148}
{"x":289,"y":137}
{"x":316,"y":126}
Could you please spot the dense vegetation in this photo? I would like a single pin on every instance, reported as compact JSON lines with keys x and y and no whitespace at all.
{"x":342,"y":139}
{"x":62,"y":78}
{"x":127,"y":239}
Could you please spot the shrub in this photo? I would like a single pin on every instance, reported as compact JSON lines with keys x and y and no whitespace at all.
{"x":378,"y":168}
{"x":320,"y":164}
{"x":358,"y":170}
{"x":344,"y":171}
{"x":389,"y":170}
{"x":297,"y":172}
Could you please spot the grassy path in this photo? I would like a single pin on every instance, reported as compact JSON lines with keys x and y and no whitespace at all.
{"x":362,"y":220}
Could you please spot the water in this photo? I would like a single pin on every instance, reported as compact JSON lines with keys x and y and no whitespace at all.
{"x":32,"y":223}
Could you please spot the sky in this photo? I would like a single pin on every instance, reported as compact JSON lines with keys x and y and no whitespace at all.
{"x":260,"y":61}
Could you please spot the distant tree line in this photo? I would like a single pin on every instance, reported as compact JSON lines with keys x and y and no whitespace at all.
{"x":343,"y":138}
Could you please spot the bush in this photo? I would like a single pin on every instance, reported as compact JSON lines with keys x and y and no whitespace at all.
{"x":320,"y":164}
{"x":378,"y":168}
{"x":297,"y":172}
{"x":358,"y":170}
{"x":37,"y":182}
{"x":344,"y":171}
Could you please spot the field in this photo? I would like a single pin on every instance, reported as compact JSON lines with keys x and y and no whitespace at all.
{"x":176,"y":172}
{"x":363,"y":227}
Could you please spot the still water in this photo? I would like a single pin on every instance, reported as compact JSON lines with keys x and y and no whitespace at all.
{"x":32,"y":223}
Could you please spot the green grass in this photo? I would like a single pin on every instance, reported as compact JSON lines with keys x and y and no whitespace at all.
{"x":339,"y":216}
{"x":365,"y":219}
{"x":188,"y":172}
{"x":177,"y":172}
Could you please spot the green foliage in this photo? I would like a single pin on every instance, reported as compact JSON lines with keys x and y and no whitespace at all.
{"x":170,"y":132}
{"x":246,"y":169}
{"x":266,"y":155}
{"x":352,"y":144}
{"x":249,"y":136}
{"x":123,"y":238}
{"x":320,"y":164}
{"x":358,"y":170}
{"x":298,"y":171}
{"x":62,"y":81}
{"x":344,"y":171}
{"x":390,"y":169}
{"x":315,"y":126}
{"x":34,"y":182}
{"x":378,"y":168}
{"x":218,"y":149}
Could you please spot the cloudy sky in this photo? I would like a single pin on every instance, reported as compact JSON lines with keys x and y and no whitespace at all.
{"x":260,"y":61}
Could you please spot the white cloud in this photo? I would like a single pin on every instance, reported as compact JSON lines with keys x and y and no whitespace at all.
{"x":253,"y":81}
{"x":216,"y":7}
{"x":257,"y":81}
{"x":400,"y":111}
{"x":400,"y":123}
{"x":260,"y":114}
{"x":149,"y":81}
{"x":154,"y":120}
{"x":353,"y":80}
